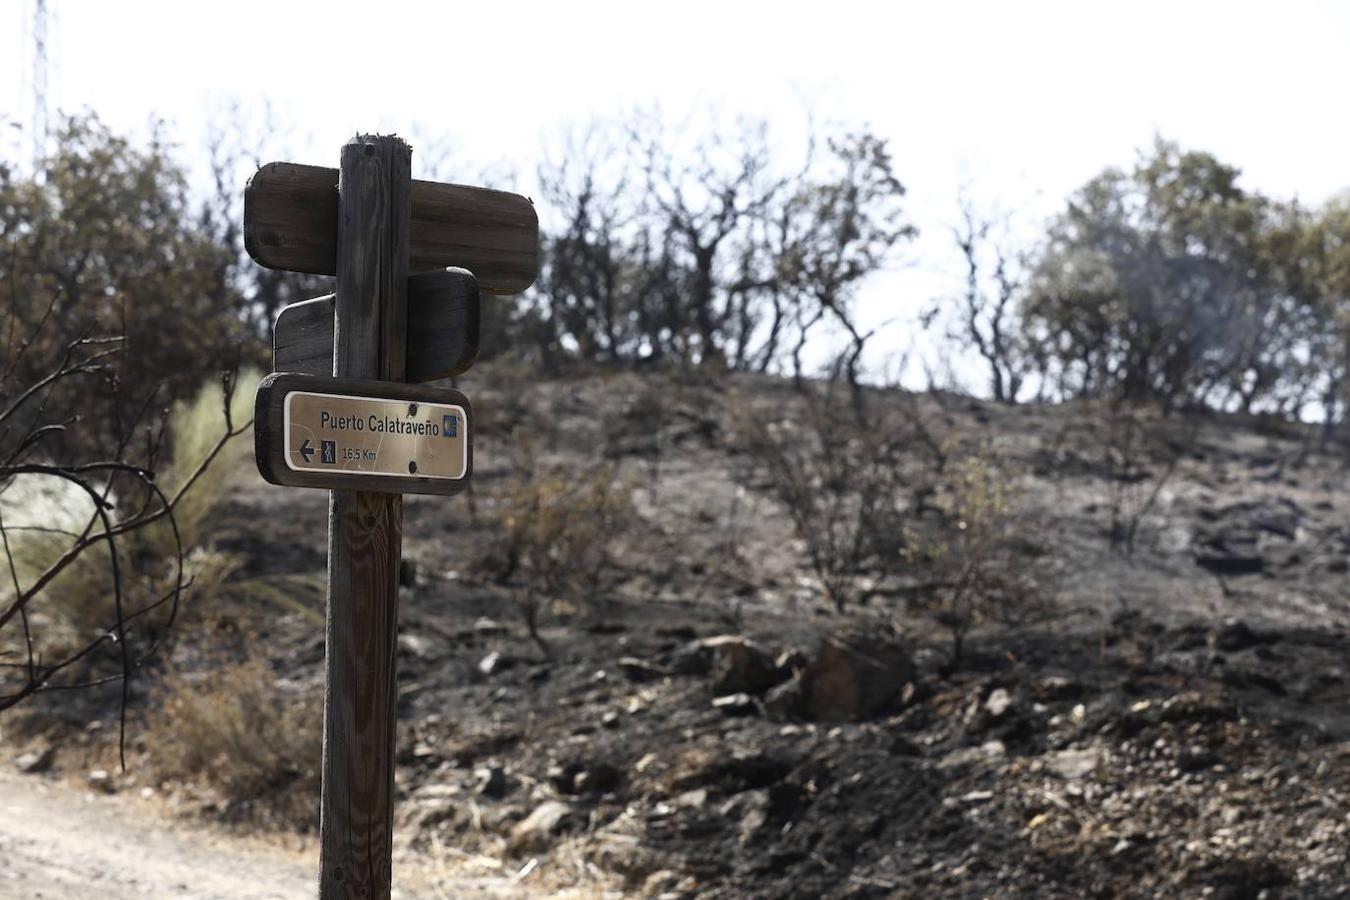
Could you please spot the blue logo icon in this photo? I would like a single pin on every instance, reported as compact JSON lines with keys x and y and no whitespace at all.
{"x":449,"y":426}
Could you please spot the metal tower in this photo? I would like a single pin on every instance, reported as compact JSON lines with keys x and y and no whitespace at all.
{"x":39,"y":123}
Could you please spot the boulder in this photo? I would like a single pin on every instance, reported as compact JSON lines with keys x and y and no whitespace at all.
{"x":735,"y":663}
{"x":855,"y":677}
{"x":741,"y":666}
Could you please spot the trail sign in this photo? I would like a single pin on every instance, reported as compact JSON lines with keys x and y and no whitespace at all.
{"x":349,"y":421}
{"x":443,"y":316}
{"x":313,"y":431}
{"x":291,"y":216}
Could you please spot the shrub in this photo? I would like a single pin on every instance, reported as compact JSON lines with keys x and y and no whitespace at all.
{"x":556,"y":538}
{"x":98,"y":556}
{"x":848,"y":488}
{"x":971,"y":551}
{"x":1138,"y":462}
{"x":233,"y":730}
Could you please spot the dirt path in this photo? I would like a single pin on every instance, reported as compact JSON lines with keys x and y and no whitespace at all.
{"x":60,"y":844}
{"x":57,"y":843}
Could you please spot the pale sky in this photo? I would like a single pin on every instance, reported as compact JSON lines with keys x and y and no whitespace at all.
{"x":1023,"y":101}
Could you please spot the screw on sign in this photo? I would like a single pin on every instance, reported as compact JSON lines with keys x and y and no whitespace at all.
{"x":338,"y":412}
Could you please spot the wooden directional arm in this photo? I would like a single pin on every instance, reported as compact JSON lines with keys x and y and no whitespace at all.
{"x":290,"y":222}
{"x":443,"y":324}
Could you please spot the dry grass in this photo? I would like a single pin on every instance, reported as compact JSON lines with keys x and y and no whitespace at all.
{"x":230,"y":729}
{"x":556,"y":538}
{"x":80,"y":601}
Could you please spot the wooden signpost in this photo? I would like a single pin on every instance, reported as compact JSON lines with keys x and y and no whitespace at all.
{"x":355,"y":426}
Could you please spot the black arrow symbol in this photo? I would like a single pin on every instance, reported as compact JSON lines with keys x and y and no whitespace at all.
{"x":306,"y":450}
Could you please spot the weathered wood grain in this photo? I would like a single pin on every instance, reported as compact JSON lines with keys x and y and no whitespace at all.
{"x":302,"y":337}
{"x":291,"y":216}
{"x":269,"y":432}
{"x":365,"y":532}
{"x":443,"y":322}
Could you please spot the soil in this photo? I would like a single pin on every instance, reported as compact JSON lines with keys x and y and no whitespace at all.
{"x":1167,"y":720}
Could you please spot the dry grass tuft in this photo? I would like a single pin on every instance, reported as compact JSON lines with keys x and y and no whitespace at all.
{"x":233,"y":731}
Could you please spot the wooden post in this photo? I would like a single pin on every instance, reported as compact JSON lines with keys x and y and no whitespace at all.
{"x":364,"y":533}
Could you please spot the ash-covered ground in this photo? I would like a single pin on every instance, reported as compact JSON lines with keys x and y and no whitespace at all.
{"x":1167,"y":719}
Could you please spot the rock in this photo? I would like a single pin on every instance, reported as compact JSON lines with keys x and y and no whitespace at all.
{"x":493,"y":663}
{"x":1247,"y":678}
{"x":964,"y":757}
{"x":1280,"y":517}
{"x":736,"y":663}
{"x":599,"y":778}
{"x":1192,"y":707}
{"x":36,"y":762}
{"x":535,"y":831}
{"x":1073,"y":765}
{"x":853,"y":678}
{"x":744,"y":769}
{"x":101,"y":780}
{"x":757,"y":810}
{"x":418,"y":646}
{"x":741,"y":666}
{"x":1229,"y":555}
{"x":660,"y":882}
{"x":563,"y":776}
{"x":491,"y":781}
{"x":1197,"y":759}
{"x":610,"y":720}
{"x":1056,"y":687}
{"x":638,"y":670}
{"x":998,"y":702}
{"x":693,"y":658}
{"x":903,"y":746}
{"x":784,"y":702}
{"x":485,"y":627}
{"x":750,"y":809}
{"x":792,"y":661}
{"x":695,"y":799}
{"x":735,"y":704}
{"x":407,"y":573}
{"x":1233,"y":635}
{"x":582,"y":778}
